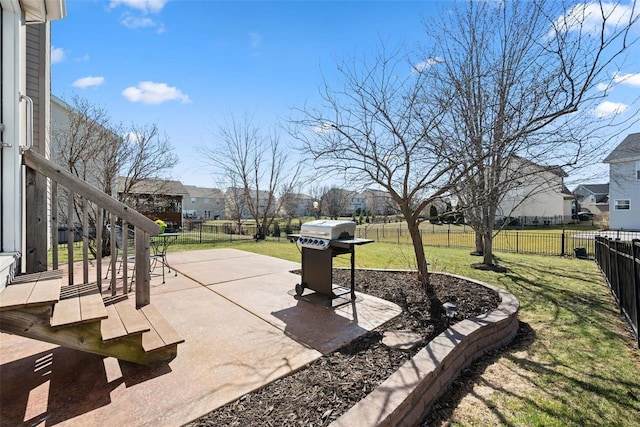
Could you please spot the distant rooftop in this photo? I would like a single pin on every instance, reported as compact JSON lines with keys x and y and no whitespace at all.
{"x":628,"y":149}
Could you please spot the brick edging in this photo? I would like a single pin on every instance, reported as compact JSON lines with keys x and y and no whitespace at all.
{"x":404,"y":397}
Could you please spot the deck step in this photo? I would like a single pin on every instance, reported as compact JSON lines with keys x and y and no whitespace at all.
{"x":8,"y":264}
{"x":162,"y":334}
{"x":31,"y":290}
{"x":78,"y":304}
{"x":123,"y":320}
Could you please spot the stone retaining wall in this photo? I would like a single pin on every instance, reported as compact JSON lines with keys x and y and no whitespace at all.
{"x":405,"y":397}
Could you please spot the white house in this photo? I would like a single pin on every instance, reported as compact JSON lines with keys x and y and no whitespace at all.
{"x":593,"y":198}
{"x":296,"y":205}
{"x":26,"y":87}
{"x":538,"y":197}
{"x":624,"y":184}
{"x":376,"y":202}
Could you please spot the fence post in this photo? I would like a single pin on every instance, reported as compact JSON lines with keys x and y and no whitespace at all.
{"x":635,"y":250}
{"x":517,"y":241}
{"x":200,"y":227}
{"x":448,"y":238}
{"x":562,"y":244}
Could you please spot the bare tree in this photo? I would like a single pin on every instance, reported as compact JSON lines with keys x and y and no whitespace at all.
{"x":335,"y":201}
{"x":258,"y":164}
{"x":145,"y":155}
{"x":290,"y":204}
{"x":85,"y":140}
{"x":519,"y":79}
{"x":316,"y":191}
{"x":88,"y":144}
{"x":378,"y":127}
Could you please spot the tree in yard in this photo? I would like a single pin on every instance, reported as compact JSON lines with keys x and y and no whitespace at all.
{"x":378,"y":127}
{"x":145,"y":155}
{"x":335,"y":201}
{"x":433,"y":213}
{"x":90,"y":146}
{"x":258,"y":164}
{"x":521,"y":81}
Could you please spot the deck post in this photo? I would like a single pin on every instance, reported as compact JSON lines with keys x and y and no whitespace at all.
{"x":143,"y":275}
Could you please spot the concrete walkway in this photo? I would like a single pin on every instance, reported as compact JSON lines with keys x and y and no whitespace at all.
{"x":243,"y":328}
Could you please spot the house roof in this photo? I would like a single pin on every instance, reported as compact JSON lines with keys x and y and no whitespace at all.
{"x":203,"y":192}
{"x":554,"y":169}
{"x":42,"y":11}
{"x":595,"y":189}
{"x":154,"y":186}
{"x":628,"y":149}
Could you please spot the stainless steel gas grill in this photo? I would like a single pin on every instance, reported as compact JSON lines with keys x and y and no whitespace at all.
{"x":320,"y":241}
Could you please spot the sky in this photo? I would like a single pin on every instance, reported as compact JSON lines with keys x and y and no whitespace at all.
{"x":185,"y":65}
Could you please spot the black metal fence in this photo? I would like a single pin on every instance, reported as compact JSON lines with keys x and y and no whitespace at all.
{"x":558,"y":243}
{"x":553,"y":243}
{"x":229,"y":232}
{"x":619,"y":261}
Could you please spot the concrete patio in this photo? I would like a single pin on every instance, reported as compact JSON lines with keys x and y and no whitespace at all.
{"x":243,"y":328}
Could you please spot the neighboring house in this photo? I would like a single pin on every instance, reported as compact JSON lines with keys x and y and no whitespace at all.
{"x":203,"y":203}
{"x":156,"y":199}
{"x":236,"y":206}
{"x":380,"y":202}
{"x":538,"y":195}
{"x":376,"y":202}
{"x":624,"y":184}
{"x":296,"y":205}
{"x":72,"y":132}
{"x":358,"y":204}
{"x":592,"y":198}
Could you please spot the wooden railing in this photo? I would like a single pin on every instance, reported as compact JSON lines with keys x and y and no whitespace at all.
{"x":109,"y":216}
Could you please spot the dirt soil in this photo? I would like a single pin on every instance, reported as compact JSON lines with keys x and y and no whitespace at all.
{"x":328,"y":387}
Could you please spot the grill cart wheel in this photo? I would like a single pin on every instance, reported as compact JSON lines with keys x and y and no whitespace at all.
{"x":299,"y":289}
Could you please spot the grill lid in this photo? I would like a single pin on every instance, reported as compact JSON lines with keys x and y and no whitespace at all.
{"x":328,"y":229}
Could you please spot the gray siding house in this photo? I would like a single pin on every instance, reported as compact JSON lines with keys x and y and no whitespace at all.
{"x":624,"y":184}
{"x":203,"y":203}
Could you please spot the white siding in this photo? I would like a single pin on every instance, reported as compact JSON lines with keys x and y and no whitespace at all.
{"x":624,"y":185}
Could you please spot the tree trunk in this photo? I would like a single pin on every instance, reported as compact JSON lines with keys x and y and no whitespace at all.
{"x":488,"y":248}
{"x":421,"y":259}
{"x":479,"y":244}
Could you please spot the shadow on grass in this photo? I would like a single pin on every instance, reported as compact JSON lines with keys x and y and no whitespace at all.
{"x":569,"y":368}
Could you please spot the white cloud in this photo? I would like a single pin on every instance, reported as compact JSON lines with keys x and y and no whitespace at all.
{"x":421,"y":66}
{"x":154,"y":93}
{"x":131,"y":137}
{"x":135,"y":22}
{"x":57,"y":54}
{"x":627,"y":79}
{"x":146,"y":6}
{"x":608,"y":108}
{"x":88,"y":82}
{"x":256,"y":40}
{"x":603,"y":87}
{"x":588,"y":17}
{"x":324,"y":128}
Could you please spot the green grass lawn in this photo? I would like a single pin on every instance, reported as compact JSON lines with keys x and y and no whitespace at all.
{"x":576,"y":363}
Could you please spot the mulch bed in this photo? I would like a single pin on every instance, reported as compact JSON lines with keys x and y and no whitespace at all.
{"x":328,"y":387}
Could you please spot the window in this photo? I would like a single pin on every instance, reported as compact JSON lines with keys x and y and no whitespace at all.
{"x":638,"y":170}
{"x":622,"y":205}
{"x":193,"y":200}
